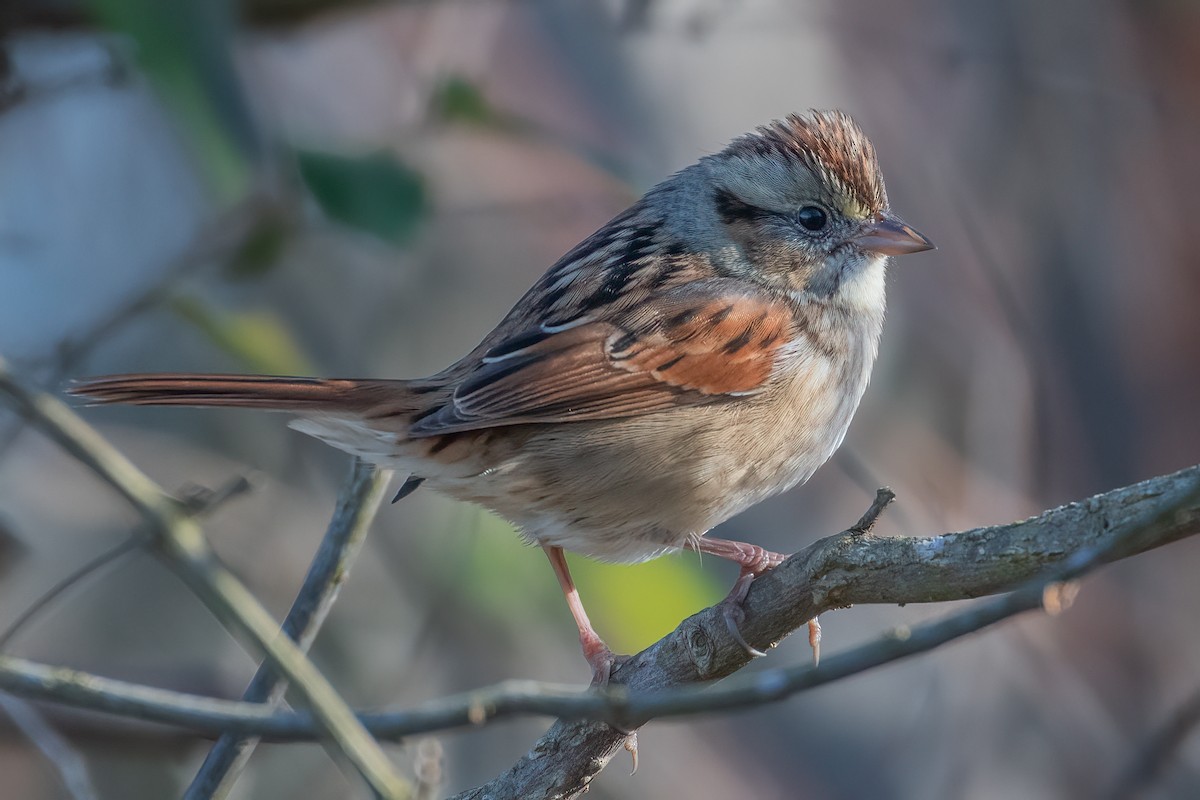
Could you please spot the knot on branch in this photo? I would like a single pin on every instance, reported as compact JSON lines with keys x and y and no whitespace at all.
{"x":700,"y":648}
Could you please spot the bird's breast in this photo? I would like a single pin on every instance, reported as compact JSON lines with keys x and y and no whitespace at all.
{"x":631,"y":488}
{"x":794,"y":427}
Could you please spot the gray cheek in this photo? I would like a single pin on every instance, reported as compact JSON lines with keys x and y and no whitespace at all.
{"x":827,"y":279}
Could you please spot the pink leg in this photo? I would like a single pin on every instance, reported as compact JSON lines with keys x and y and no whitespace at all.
{"x":597,"y":653}
{"x":754,"y":561}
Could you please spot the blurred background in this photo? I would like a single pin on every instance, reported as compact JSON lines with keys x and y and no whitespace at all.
{"x":363,"y":189}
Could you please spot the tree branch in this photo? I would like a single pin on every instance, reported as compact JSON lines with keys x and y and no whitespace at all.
{"x":837,"y":572}
{"x":357,"y":504}
{"x":59,"y":751}
{"x":181,"y":542}
{"x":199,"y":501}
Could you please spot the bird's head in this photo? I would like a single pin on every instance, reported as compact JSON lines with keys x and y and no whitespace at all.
{"x":803,"y":198}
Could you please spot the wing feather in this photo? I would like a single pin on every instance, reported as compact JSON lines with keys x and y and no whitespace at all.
{"x":703,"y":343}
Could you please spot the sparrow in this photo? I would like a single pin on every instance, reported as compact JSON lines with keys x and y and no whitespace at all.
{"x":703,"y":351}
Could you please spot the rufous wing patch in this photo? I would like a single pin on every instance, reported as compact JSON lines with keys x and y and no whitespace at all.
{"x":700,"y":345}
{"x":722,"y":345}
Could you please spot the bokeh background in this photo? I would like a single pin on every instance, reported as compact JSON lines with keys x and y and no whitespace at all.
{"x":363,"y":188}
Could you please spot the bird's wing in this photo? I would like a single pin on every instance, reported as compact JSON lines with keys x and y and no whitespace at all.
{"x":700,"y":343}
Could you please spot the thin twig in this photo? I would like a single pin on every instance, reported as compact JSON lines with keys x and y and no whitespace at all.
{"x":357,"y":504}
{"x":181,"y":542}
{"x":197,"y":502}
{"x":57,"y":750}
{"x":129,"y":544}
{"x":1158,"y":750}
{"x":866,"y":523}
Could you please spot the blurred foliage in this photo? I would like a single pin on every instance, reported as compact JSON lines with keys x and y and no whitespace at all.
{"x":262,"y":251}
{"x":286,"y":12}
{"x":184,"y":48}
{"x":458,"y":100}
{"x":632,"y":606}
{"x":374,"y":193}
{"x":258,"y":339}
{"x":502,"y":573}
{"x":56,"y":14}
{"x":635,"y":605}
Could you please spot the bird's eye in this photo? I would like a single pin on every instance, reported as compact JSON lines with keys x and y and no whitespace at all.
{"x":811,"y":218}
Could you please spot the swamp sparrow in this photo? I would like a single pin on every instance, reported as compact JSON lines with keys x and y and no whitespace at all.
{"x":701,"y":352}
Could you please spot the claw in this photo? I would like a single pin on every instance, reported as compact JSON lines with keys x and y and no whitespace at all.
{"x":734,"y":615}
{"x":631,"y":746}
{"x":409,"y":486}
{"x":814,"y":640}
{"x":754,"y":561}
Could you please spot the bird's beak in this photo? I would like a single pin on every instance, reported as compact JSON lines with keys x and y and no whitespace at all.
{"x":888,"y":235}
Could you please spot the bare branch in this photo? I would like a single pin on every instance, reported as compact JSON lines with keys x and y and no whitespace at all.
{"x":357,"y":504}
{"x":181,"y":542}
{"x":866,"y":523}
{"x":57,"y":750}
{"x":198,"y":502}
{"x":1154,"y":755}
{"x":856,"y":568}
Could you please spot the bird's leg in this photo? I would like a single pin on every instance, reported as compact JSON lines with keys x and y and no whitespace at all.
{"x":754,"y":561}
{"x":597,"y":653}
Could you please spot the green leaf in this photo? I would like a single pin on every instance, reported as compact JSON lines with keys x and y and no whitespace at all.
{"x":458,"y":100}
{"x":259,"y":339}
{"x":374,"y":193}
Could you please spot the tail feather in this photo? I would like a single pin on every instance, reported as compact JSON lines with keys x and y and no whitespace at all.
{"x":242,"y":391}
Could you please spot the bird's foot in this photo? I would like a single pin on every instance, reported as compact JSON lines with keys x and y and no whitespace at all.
{"x":754,"y":561}
{"x":601,"y":659}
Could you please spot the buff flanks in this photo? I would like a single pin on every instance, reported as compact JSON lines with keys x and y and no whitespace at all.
{"x":828,"y":140}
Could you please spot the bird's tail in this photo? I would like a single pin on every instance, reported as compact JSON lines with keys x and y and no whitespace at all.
{"x":298,"y":395}
{"x":368,"y":418}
